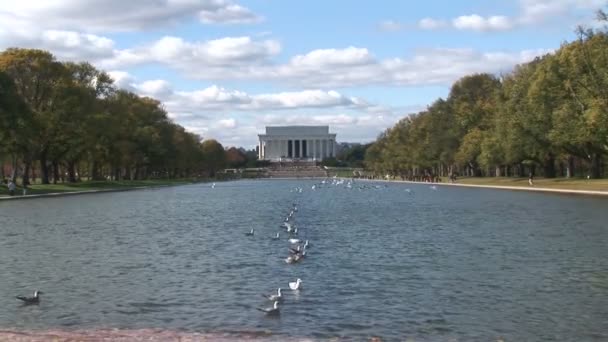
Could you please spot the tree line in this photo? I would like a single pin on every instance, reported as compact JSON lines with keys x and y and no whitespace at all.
{"x":548,"y":117}
{"x":64,"y":121}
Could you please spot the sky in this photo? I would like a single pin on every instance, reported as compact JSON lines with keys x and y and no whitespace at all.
{"x":225,"y":69}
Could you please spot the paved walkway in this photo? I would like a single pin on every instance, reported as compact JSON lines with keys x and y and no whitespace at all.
{"x":73,"y":193}
{"x":503,"y":187}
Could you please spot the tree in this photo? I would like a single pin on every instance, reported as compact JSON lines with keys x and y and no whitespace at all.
{"x":235,"y":158}
{"x":214,"y":156}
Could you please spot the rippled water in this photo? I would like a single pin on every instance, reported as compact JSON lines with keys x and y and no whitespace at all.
{"x":453,"y":264}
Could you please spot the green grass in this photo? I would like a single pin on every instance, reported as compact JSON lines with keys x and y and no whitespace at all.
{"x":553,"y":183}
{"x":37,"y":189}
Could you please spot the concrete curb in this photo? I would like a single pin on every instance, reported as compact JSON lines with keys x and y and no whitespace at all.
{"x":83,"y":192}
{"x":501,"y":187}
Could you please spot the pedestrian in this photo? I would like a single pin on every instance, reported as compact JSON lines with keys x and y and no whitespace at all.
{"x":531,"y":179}
{"x":24,"y":189}
{"x":11,"y":187}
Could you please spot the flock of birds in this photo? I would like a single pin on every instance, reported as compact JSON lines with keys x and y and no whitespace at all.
{"x":297,"y":252}
{"x":297,"y":249}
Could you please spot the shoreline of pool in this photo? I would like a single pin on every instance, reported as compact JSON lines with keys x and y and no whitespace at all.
{"x":500,"y":187}
{"x":87,"y":192}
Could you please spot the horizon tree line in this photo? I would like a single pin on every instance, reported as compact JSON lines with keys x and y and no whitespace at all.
{"x":64,"y":121}
{"x":548,"y":117}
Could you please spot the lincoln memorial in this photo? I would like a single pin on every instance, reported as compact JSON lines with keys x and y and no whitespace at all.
{"x":297,"y":142}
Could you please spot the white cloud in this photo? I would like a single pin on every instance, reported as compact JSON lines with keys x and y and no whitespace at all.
{"x":245,"y":59}
{"x":120,"y":15}
{"x":478,"y":23}
{"x":390,"y":26}
{"x":223,"y":53}
{"x":230,"y":14}
{"x":227,"y":123}
{"x":535,"y":11}
{"x":350,"y":56}
{"x":531,"y":12}
{"x":431,"y":24}
{"x":69,"y":45}
{"x":235,"y":117}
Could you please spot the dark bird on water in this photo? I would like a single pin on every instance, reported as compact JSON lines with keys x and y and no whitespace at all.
{"x":31,"y":300}
{"x":272,"y":311}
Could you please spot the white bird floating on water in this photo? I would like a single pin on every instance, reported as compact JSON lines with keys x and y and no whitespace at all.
{"x":274,"y":310}
{"x":296,"y":285}
{"x":433,"y":187}
{"x":290,"y":259}
{"x":294,"y":241}
{"x":213,"y":186}
{"x":276,"y":237}
{"x":31,"y":300}
{"x":250,"y":233}
{"x":275,"y":297}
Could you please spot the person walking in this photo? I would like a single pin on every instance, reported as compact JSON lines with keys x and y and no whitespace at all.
{"x":531,"y":179}
{"x":11,"y":187}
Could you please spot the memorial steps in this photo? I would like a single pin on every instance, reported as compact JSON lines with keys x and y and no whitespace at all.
{"x":296,"y":170}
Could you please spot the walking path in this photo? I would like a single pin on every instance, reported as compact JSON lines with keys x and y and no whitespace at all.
{"x":502,"y":187}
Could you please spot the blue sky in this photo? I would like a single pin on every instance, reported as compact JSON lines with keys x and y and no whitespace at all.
{"x":227,"y":68}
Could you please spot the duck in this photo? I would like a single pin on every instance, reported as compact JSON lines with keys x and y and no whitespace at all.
{"x":31,"y":300}
{"x":296,"y":285}
{"x":272,"y":311}
{"x":275,"y":297}
{"x":250,"y":232}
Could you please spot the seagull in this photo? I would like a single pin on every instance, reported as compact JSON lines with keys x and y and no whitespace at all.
{"x":276,"y":237}
{"x":31,"y":300}
{"x":433,"y":187}
{"x":250,"y":233}
{"x":275,"y":298}
{"x":300,"y":256}
{"x":296,"y":284}
{"x":273,"y":311}
{"x":213,"y":186}
{"x":294,"y":241}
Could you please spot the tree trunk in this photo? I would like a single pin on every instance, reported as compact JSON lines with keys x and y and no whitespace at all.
{"x":72,"y":171}
{"x":55,"y":171}
{"x":94,"y":173}
{"x":596,"y":166}
{"x":26,"y":172}
{"x":127,"y":173}
{"x":549,"y":166}
{"x":570,"y":168}
{"x":136,"y":173}
{"x":44,"y":168}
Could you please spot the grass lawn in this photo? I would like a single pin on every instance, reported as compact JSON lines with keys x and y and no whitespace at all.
{"x":553,"y":183}
{"x":36,"y":189}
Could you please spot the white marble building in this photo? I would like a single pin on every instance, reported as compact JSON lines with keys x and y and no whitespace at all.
{"x":297,"y":142}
